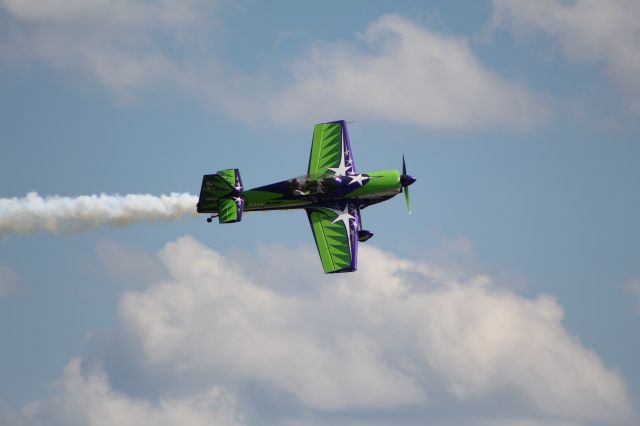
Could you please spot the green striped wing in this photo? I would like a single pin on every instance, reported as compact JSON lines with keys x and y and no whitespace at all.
{"x":328,"y":150}
{"x":334,"y":239}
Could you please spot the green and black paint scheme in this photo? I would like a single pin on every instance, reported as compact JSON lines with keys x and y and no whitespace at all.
{"x":332,"y":193}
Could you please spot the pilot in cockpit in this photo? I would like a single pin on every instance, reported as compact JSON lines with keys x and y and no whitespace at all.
{"x":324,"y":185}
{"x":296,"y":188}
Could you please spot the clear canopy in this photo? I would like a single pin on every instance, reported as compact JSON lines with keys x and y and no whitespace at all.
{"x":304,"y":185}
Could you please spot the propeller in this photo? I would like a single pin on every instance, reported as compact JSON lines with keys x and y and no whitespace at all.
{"x":405,"y":181}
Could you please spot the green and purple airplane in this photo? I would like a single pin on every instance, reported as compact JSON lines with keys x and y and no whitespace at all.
{"x":332,"y":193}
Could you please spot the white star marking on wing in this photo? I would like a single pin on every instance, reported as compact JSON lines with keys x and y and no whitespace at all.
{"x":341,"y":170}
{"x":359,"y":179}
{"x":344,"y":217}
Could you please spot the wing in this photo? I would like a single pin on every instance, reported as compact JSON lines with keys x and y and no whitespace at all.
{"x":330,"y":150}
{"x":336,"y":233}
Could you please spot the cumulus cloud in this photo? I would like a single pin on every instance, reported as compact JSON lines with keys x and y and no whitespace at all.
{"x":398,"y":336}
{"x":220,"y":340}
{"x":243,"y":331}
{"x":588,"y":31}
{"x":129,"y":267}
{"x":130,"y":47}
{"x":404,"y":73}
{"x":398,"y":71}
{"x":85,"y":398}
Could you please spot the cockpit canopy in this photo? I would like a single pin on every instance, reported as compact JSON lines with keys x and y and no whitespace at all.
{"x":304,"y":185}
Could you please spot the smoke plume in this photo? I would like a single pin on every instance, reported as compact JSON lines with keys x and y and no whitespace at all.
{"x":56,"y":214}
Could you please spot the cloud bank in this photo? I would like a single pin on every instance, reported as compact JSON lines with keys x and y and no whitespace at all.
{"x":233,"y":338}
{"x":55,"y":214}
{"x":404,"y":73}
{"x":587,"y":31}
{"x":85,"y":397}
{"x":396,"y":71}
{"x":132,"y":48}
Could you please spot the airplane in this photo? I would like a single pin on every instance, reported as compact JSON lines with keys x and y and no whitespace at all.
{"x":332,"y":193}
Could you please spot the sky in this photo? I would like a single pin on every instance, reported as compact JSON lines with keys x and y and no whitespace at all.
{"x":511,"y":295}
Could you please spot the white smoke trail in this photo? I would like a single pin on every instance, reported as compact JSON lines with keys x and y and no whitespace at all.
{"x":55,"y":214}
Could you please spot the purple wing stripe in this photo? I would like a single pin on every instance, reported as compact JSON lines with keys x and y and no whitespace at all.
{"x":347,"y":148}
{"x":354,"y":227}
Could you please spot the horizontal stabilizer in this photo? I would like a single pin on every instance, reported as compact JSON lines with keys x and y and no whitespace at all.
{"x":224,"y":183}
{"x":230,"y":209}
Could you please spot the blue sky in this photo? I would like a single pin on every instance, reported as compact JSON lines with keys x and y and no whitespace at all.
{"x":510,"y":296}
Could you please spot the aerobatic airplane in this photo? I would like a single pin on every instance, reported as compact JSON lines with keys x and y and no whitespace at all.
{"x":331,"y":192}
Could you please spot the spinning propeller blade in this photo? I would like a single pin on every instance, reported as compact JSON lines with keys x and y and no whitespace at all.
{"x":405,"y":181}
{"x":406,"y":197}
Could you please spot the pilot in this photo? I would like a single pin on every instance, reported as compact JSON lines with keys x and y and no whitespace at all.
{"x":309,"y":187}
{"x":296,"y":188}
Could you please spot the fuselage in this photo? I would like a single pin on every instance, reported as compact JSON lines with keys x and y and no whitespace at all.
{"x":301,"y":192}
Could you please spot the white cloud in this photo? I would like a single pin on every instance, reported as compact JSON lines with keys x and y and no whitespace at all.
{"x":10,"y":416}
{"x":396,"y":336}
{"x":87,"y":399}
{"x":404,"y":73}
{"x":221,"y":340}
{"x":633,"y":288}
{"x":235,"y":327}
{"x":130,"y":47}
{"x":588,"y":31}
{"x":397,"y":72}
{"x":129,"y":267}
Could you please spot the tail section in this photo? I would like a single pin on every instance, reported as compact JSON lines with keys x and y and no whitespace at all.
{"x":222,"y":185}
{"x":232,"y":177}
{"x":230,"y":209}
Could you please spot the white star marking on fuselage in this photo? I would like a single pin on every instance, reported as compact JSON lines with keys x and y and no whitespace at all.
{"x":359,"y":179}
